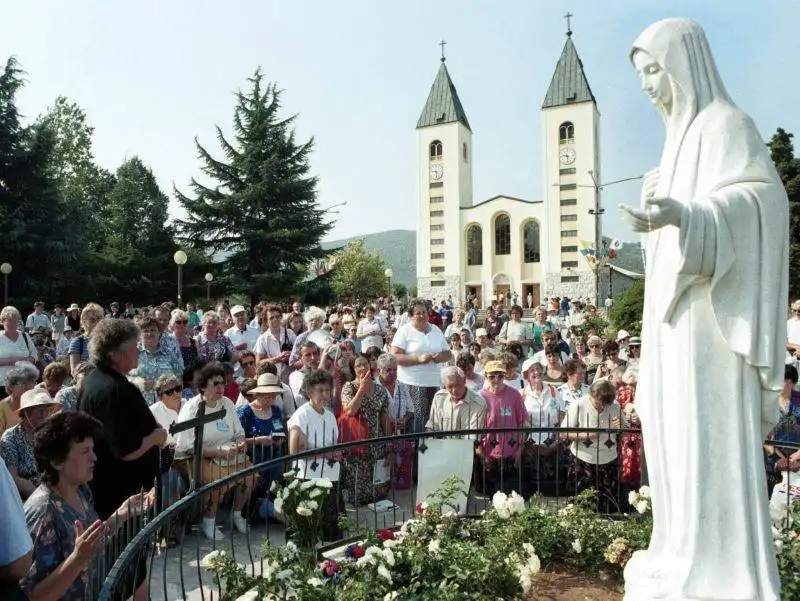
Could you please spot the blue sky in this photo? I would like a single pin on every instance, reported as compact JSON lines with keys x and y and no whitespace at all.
{"x":152,"y":75}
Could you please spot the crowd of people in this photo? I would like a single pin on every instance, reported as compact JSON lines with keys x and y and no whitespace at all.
{"x":89,"y":396}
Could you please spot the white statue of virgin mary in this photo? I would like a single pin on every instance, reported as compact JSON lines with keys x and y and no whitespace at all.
{"x":715,"y":218}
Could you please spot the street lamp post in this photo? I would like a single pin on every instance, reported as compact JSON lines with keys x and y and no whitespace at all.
{"x":209,"y":279}
{"x":5,"y":269}
{"x":180,"y":259}
{"x":389,"y":273}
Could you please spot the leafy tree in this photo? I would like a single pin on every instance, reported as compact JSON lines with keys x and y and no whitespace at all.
{"x":261,"y":210}
{"x":38,"y":239}
{"x":788,"y":166}
{"x":628,"y":308}
{"x":358,"y":273}
{"x":140,"y":244}
{"x":399,"y":291}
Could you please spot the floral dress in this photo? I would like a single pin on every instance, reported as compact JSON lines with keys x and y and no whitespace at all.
{"x":358,"y":467}
{"x":51,"y":523}
{"x":220,"y":349}
{"x":631,"y":444}
{"x":152,"y":365}
{"x":16,"y":449}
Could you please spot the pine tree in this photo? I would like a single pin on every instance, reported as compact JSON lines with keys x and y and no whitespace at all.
{"x":788,"y":167}
{"x":38,"y":236}
{"x":260,"y":213}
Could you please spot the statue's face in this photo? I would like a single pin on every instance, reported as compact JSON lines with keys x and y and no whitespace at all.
{"x":655,"y":81}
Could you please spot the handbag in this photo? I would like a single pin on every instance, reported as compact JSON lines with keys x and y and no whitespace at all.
{"x":352,"y":428}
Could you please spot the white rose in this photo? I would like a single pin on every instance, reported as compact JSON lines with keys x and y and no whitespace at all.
{"x":315,"y":493}
{"x":278,"y":505}
{"x":633,"y":497}
{"x":515,"y":503}
{"x":293,"y":484}
{"x":434,"y":547}
{"x":290,"y":548}
{"x":778,"y":546}
{"x":642,"y":506}
{"x":645,"y":491}
{"x":289,"y":474}
{"x":284,"y":574}
{"x":307,"y":484}
{"x":212,"y":560}
{"x":383,"y":571}
{"x":389,"y":543}
{"x":248,"y":596}
{"x":314,"y":581}
{"x":388,"y":555}
{"x":576,"y":546}
{"x":304,"y":511}
{"x":503,"y":512}
{"x":534,"y":565}
{"x":323,"y":483}
{"x":499,"y":499}
{"x":312,"y":505}
{"x":391,"y":596}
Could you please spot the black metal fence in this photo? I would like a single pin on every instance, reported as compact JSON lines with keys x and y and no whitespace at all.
{"x":165,"y":548}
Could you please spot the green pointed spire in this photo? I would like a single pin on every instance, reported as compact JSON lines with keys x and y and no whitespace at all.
{"x":443,"y":105}
{"x":569,"y":84}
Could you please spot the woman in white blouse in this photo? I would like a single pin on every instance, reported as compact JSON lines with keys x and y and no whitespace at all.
{"x":515,"y":330}
{"x":419,"y":347}
{"x":14,"y":345}
{"x":540,"y":460}
{"x":224,"y":448}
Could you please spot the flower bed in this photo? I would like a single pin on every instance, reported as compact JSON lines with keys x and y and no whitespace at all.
{"x":441,"y":555}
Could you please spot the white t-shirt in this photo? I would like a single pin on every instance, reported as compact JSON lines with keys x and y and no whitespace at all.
{"x":416,"y":343}
{"x":542,"y":410}
{"x":23,"y":347}
{"x":320,"y":430}
{"x":371,"y":330}
{"x":165,"y":418}
{"x":582,"y":414}
{"x":793,"y":331}
{"x":15,"y":540}
{"x":37,"y":320}
{"x":215,"y":434}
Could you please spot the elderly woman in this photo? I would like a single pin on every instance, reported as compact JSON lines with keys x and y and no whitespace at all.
{"x":127,"y":454}
{"x":457,"y":325}
{"x":502,"y":452}
{"x":540,"y":324}
{"x":419,"y":347}
{"x":14,"y":345}
{"x":314,"y":318}
{"x":594,"y":463}
{"x":69,"y":395}
{"x":166,"y":410}
{"x":79,"y":347}
{"x":313,"y":426}
{"x":370,"y":330}
{"x":154,"y":359}
{"x":575,"y":388}
{"x":631,"y":444}
{"x":399,"y":414}
{"x":276,"y":341}
{"x":16,"y":445}
{"x":365,"y":407}
{"x":515,"y":330}
{"x":61,"y":518}
{"x":179,"y":327}
{"x":19,"y":379}
{"x":224,"y":448}
{"x":212,"y":344}
{"x":543,"y":407}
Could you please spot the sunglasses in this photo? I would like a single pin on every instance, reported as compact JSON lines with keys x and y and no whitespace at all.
{"x":247,"y":363}
{"x":496,"y":375}
{"x":182,"y":321}
{"x":172,"y":390}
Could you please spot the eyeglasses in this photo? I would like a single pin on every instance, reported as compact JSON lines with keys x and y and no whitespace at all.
{"x":274,"y":317}
{"x":181,"y":321}
{"x":172,"y":390}
{"x":247,"y":363}
{"x":496,"y":375}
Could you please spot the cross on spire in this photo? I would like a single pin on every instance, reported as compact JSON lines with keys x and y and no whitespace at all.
{"x":443,"y":44}
{"x":569,"y":16}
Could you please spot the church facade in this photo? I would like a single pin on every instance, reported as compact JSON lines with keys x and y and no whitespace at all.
{"x":506,"y":245}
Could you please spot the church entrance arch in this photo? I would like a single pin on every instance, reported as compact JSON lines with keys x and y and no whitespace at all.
{"x":501,"y":284}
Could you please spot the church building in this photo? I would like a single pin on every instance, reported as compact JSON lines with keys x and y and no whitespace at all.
{"x":501,"y":245}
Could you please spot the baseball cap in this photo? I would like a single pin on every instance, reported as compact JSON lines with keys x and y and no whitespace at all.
{"x":237,"y":309}
{"x":481,"y":332}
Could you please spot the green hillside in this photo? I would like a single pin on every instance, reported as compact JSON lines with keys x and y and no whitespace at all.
{"x":398,"y":249}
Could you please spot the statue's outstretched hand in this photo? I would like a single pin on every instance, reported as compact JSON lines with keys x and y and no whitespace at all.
{"x":659,"y":213}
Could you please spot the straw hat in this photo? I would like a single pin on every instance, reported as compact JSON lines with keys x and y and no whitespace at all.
{"x":493,"y":367}
{"x":267,"y":383}
{"x":37,"y":397}
{"x":73,"y":307}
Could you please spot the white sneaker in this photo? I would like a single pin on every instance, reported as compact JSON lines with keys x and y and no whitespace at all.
{"x":210,"y":529}
{"x":239,"y":522}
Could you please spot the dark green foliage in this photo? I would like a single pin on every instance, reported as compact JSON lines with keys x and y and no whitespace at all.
{"x":260,"y":210}
{"x":788,"y":166}
{"x":628,"y":308}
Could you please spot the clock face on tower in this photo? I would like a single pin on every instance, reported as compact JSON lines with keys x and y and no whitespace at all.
{"x":436,"y":172}
{"x":567,"y":156}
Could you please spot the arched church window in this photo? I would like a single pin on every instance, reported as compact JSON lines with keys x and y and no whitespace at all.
{"x":474,"y":245}
{"x":465,"y":152}
{"x":436,"y":150}
{"x":530,"y":237}
{"x":566,"y":132}
{"x":502,"y":235}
